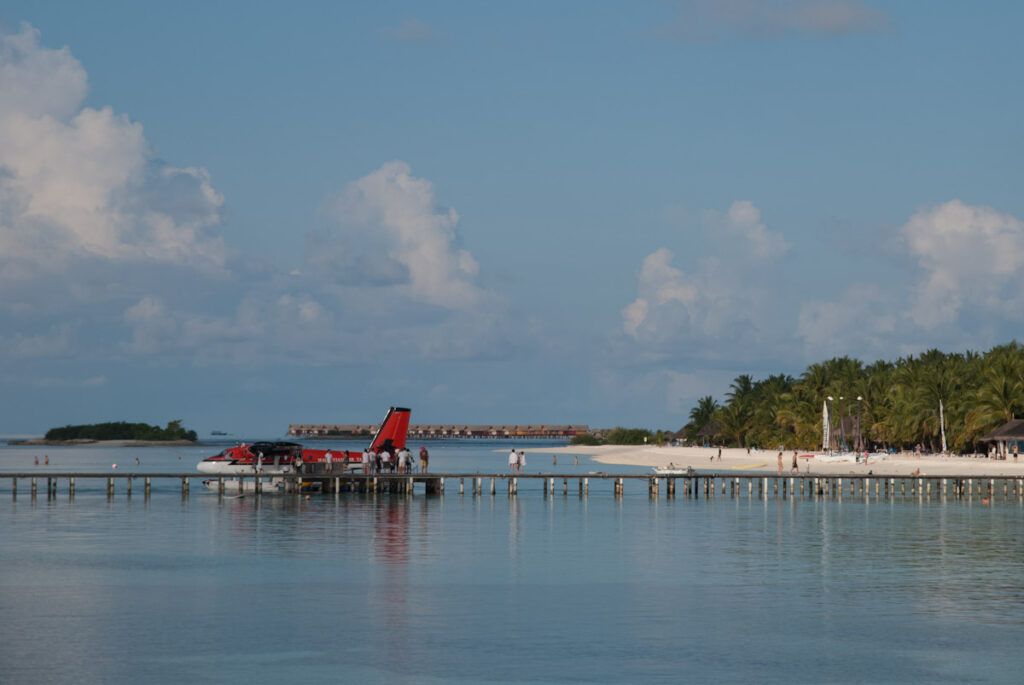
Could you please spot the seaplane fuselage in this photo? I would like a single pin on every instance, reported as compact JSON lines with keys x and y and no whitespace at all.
{"x":271,"y":458}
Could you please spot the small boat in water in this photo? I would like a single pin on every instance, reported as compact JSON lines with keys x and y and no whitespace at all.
{"x":673,"y":470}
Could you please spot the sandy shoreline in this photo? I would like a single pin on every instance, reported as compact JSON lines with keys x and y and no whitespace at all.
{"x":738,"y":459}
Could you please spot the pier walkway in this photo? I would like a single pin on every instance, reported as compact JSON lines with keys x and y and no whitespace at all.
{"x":706,"y":485}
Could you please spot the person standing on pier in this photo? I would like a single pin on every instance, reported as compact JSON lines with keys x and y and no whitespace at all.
{"x":795,"y":468}
{"x":402,"y":461}
{"x":424,"y":458}
{"x":366,"y":460}
{"x":513,"y":461}
{"x":329,"y":461}
{"x":780,"y":463}
{"x":522,"y":460}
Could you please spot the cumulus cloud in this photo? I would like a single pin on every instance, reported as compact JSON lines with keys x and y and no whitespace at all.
{"x":719,"y":299}
{"x":962,"y":290}
{"x":968,"y":256}
{"x":673,"y":307}
{"x":393,"y":233}
{"x":713,"y":19}
{"x":80,"y":182}
{"x":742,"y":223}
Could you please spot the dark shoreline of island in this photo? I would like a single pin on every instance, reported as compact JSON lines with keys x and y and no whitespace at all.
{"x":89,"y":442}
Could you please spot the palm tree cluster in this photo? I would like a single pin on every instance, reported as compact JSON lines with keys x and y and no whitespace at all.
{"x":897,"y":402}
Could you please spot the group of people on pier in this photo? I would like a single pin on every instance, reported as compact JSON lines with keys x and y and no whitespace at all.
{"x":383,"y":461}
{"x":516,"y":461}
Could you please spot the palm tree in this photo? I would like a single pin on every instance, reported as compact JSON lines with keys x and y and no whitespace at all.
{"x":701,"y":416}
{"x":734,"y":421}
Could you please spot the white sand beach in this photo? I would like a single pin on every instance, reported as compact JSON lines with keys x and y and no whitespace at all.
{"x":765,"y":460}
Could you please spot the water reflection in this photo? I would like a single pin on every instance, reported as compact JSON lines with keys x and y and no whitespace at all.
{"x":624,"y":589}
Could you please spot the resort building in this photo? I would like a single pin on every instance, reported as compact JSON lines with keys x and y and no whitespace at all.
{"x":1007,"y":438}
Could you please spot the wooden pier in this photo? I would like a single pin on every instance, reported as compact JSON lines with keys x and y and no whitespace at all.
{"x":697,"y":486}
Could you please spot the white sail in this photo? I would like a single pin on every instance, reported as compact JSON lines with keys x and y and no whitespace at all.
{"x":825,"y":428}
{"x":942,"y":426}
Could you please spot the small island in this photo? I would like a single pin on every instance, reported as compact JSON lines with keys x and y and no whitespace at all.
{"x":117,"y":433}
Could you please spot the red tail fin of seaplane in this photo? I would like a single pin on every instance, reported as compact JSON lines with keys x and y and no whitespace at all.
{"x":392,"y":431}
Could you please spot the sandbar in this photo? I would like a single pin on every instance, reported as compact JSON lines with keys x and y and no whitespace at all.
{"x":739,"y":460}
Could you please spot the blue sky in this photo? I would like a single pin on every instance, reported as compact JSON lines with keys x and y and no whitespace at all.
{"x":246,"y":215}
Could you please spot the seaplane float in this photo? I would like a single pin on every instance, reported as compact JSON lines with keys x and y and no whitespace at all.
{"x":275,"y":459}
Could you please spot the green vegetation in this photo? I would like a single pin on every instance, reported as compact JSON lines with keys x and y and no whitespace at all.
{"x":624,"y":436}
{"x":628,"y":436}
{"x":585,"y":439}
{"x":899,"y":406}
{"x":121,"y":430}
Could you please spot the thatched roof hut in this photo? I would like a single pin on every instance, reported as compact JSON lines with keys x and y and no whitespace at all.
{"x":1011,"y":430}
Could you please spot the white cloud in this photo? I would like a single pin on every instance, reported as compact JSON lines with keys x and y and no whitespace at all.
{"x":968,"y":256}
{"x":722,"y":299}
{"x":633,"y":315}
{"x":80,"y":182}
{"x":673,"y":307}
{"x":712,"y":19}
{"x":743,"y":221}
{"x":392,"y":233}
{"x":964,"y":292}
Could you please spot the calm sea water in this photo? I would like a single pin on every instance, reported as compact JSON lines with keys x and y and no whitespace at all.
{"x":531,"y":589}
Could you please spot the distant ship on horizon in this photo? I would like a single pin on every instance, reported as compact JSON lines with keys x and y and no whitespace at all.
{"x":219,"y":433}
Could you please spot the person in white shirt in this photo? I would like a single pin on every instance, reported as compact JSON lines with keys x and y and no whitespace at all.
{"x":513,"y":461}
{"x":401,"y":460}
{"x":329,"y":458}
{"x":366,"y":460}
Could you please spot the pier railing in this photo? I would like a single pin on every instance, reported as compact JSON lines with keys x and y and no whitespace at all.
{"x":697,"y":486}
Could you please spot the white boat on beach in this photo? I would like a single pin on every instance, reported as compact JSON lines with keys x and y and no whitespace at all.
{"x":847,"y":457}
{"x":673,"y":470}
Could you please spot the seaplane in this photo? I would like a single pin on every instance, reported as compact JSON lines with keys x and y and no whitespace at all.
{"x":279,"y":458}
